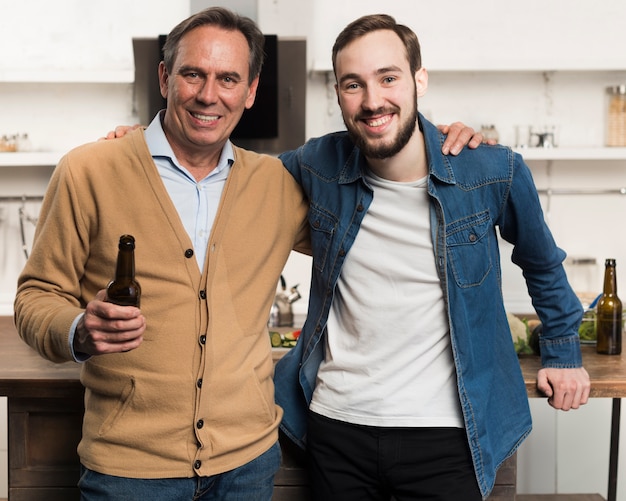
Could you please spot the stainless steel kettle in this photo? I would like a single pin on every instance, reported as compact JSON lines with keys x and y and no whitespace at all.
{"x":281,"y":313}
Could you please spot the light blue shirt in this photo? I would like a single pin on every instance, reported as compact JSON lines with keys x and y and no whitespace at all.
{"x":196,"y":201}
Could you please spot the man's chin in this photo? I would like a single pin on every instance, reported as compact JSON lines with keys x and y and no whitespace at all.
{"x":377,"y":149}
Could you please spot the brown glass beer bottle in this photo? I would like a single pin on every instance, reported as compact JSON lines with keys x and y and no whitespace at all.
{"x":609,"y":314}
{"x":124,"y":288}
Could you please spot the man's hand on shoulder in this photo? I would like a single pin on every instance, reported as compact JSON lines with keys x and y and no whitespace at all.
{"x":459,"y":136}
{"x":120,"y":131}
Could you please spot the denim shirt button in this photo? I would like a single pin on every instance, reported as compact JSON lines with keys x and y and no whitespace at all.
{"x":473,"y":237}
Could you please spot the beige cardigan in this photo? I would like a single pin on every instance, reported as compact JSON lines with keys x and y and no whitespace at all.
{"x":143,"y":408}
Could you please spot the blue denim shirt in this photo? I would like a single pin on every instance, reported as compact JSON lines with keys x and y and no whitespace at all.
{"x":471,"y":195}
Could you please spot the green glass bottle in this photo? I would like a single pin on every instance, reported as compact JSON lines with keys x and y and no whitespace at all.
{"x":609,"y":314}
{"x":124,"y":288}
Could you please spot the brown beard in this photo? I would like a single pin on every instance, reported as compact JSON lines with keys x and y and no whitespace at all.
{"x":381,"y":152}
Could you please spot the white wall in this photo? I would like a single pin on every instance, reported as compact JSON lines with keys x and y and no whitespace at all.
{"x":489,"y":33}
{"x":60,"y":115}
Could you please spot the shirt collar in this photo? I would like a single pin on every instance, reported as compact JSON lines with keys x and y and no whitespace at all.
{"x":160,"y":147}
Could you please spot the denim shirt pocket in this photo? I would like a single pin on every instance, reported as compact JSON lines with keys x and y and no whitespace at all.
{"x":467,"y":242}
{"x":323,"y":226}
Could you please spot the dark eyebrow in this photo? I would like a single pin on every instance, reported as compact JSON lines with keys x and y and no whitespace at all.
{"x":388,"y":69}
{"x":232,"y":74}
{"x":193,"y":69}
{"x":380,"y":71}
{"x":349,"y":76}
{"x":188,"y":68}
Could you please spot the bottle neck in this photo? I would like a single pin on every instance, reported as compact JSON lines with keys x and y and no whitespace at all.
{"x":610,"y":281}
{"x":125,"y":264}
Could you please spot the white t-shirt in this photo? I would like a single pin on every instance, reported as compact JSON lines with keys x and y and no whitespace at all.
{"x":388,"y":356}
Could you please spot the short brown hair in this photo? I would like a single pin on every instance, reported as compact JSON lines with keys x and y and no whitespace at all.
{"x":222,"y":18}
{"x":366,"y":24}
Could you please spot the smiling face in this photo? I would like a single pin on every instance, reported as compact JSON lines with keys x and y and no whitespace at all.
{"x":377,"y":93}
{"x":207,"y":92}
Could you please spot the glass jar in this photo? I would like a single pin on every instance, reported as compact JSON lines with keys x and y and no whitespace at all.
{"x":616,"y":116}
{"x":490,"y":132}
{"x":587,"y":328}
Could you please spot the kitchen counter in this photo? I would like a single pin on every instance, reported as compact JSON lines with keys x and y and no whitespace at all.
{"x":607,"y":373}
{"x":608,"y":380}
{"x":45,"y":407}
{"x":45,"y":411}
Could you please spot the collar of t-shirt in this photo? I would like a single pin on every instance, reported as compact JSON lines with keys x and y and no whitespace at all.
{"x":196,"y":201}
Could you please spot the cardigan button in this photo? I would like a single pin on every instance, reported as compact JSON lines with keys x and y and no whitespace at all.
{"x":189,"y":253}
{"x":199,"y":383}
{"x":203,"y":339}
{"x":197,"y":464}
{"x":200,"y":423}
{"x":202,"y":294}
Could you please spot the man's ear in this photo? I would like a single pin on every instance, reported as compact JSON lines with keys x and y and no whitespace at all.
{"x":252,"y":88}
{"x":163,"y":78}
{"x":421,"y":81}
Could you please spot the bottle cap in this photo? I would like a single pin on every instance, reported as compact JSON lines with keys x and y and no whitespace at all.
{"x":127,"y":241}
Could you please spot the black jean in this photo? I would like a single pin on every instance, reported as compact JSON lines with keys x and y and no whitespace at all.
{"x":350,"y":462}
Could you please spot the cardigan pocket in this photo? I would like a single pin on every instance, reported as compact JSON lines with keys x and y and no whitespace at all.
{"x":117,"y":411}
{"x":110,"y":394}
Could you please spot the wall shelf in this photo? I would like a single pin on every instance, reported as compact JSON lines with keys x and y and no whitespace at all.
{"x":51,"y":158}
{"x":68,"y":76}
{"x":30,"y":159}
{"x":559,"y":153}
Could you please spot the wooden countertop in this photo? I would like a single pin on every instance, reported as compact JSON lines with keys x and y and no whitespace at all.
{"x":23,"y":373}
{"x":607,"y":373}
{"x":20,"y":367}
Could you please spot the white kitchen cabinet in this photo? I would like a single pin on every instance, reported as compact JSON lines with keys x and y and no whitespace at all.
{"x":74,"y":41}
